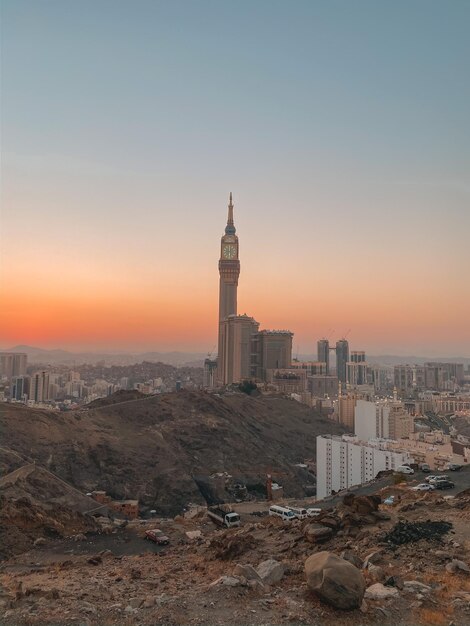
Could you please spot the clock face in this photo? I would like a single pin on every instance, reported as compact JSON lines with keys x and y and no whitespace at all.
{"x":229,"y":251}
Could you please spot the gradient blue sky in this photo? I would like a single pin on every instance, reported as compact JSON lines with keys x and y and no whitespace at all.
{"x":341,"y":127}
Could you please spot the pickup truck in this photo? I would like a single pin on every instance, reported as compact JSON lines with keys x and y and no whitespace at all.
{"x":157,"y":536}
{"x":223,"y":516}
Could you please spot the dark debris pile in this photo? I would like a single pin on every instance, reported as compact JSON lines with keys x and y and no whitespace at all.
{"x":408,"y":532}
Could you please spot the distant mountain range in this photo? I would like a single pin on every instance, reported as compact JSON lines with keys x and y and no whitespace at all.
{"x":64,"y":357}
{"x":193,"y":359}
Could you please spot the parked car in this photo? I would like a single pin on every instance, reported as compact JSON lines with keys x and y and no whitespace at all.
{"x":424,"y":467}
{"x":444,"y":484}
{"x":404,"y":469}
{"x":299,"y":512}
{"x":157,"y":536}
{"x":390,"y":500}
{"x":313,"y":512}
{"x":283,"y":512}
{"x":430,"y":477}
{"x":454,"y":467}
{"x":423,"y":487}
{"x":438,"y":478}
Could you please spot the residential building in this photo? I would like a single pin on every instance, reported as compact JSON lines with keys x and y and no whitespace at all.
{"x":288,"y":380}
{"x":356,"y":373}
{"x":39,"y":386}
{"x":323,"y":386}
{"x":343,"y":462}
{"x":20,"y":388}
{"x":382,"y":419}
{"x":273,"y":350}
{"x":209,"y":380}
{"x":237,"y":334}
{"x":403,"y":379}
{"x":313,"y":368}
{"x":371,"y":420}
{"x":345,"y":408}
{"x":13,"y":364}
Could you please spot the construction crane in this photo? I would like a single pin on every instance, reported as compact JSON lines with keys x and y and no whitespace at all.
{"x":209,"y":354}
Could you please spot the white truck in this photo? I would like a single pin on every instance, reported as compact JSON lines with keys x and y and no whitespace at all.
{"x":223,"y":515}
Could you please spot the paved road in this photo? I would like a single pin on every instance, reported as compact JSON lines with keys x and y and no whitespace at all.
{"x":461,"y":480}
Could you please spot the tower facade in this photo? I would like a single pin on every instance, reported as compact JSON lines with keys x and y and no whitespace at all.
{"x":229,"y":268}
{"x":342,"y":357}
{"x":323,"y":353}
{"x":229,"y":271}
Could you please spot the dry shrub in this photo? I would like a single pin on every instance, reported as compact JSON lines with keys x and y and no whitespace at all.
{"x":449,"y":583}
{"x":433,"y":617}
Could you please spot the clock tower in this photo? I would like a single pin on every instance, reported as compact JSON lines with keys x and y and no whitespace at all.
{"x":229,"y":268}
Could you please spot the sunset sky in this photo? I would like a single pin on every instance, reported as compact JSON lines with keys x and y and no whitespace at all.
{"x":342,"y":129}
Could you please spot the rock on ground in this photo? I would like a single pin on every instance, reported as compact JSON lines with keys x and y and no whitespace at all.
{"x":380,"y":592}
{"x":247,"y":571}
{"x":270,"y":571}
{"x":335,"y":580}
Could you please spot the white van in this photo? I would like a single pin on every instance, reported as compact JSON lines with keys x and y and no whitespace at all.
{"x":404,"y":469}
{"x":282,"y":512}
{"x":299,"y":512}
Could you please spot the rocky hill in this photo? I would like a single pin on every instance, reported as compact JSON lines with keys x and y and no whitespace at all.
{"x":358,"y":562}
{"x":164,"y":449}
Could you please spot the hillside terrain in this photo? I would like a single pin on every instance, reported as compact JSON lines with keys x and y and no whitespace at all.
{"x":164,"y":449}
{"x":358,"y":562}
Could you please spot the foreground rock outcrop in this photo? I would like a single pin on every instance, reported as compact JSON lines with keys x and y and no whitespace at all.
{"x":335,"y":580}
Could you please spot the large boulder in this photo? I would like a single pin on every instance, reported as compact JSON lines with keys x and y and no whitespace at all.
{"x":270,"y":571}
{"x":363,"y":505}
{"x":335,"y":580}
{"x":316,"y":533}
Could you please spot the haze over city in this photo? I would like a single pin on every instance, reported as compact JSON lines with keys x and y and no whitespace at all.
{"x":348,"y":156}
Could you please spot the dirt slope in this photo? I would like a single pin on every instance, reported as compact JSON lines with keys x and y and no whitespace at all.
{"x":152,"y":448}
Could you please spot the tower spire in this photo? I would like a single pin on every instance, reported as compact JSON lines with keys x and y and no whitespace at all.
{"x":230,"y":228}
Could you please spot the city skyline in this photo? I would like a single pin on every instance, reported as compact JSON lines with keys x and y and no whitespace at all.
{"x":351,"y":183}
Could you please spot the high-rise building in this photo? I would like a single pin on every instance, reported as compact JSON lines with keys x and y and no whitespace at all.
{"x":342,"y":357}
{"x":20,"y":388}
{"x":356,"y":373}
{"x":403,"y":379}
{"x":358,"y":356}
{"x":274,"y":351}
{"x":229,"y":271}
{"x":323,"y":353}
{"x":243,"y":352}
{"x":378,"y":377}
{"x":210,"y":373}
{"x":39,"y":386}
{"x":13,"y":364}
{"x":236,"y":363}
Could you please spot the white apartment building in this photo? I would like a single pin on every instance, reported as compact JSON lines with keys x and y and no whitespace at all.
{"x":343,"y":462}
{"x":383,"y":419}
{"x":371,"y":420}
